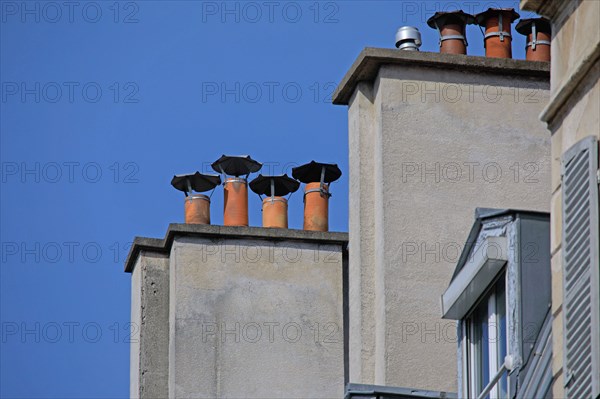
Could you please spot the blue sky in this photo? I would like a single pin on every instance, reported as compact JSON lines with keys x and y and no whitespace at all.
{"x":103,"y":102}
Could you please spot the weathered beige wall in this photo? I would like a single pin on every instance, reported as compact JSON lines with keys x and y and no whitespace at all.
{"x":257,"y":319}
{"x":136,"y":318}
{"x":581,"y":120}
{"x":575,"y":37}
{"x":150,"y":327}
{"x":361,"y":273}
{"x":573,"y":113}
{"x":435,"y":155}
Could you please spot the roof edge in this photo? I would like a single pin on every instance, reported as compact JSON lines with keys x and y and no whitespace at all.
{"x":482,"y":214}
{"x":163,"y":245}
{"x":367,"y":64}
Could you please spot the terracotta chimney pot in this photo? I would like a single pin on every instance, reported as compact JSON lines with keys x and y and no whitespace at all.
{"x":275,"y":205}
{"x":235,"y":204}
{"x":316,"y":207}
{"x":497,"y":37}
{"x":197,"y":209}
{"x":196,"y":206}
{"x":275,"y":212}
{"x":235,"y":189}
{"x":451,"y":27}
{"x":539,"y":36}
{"x":317,"y":176}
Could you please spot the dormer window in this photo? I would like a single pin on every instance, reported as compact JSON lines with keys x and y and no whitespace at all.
{"x":500,"y":296}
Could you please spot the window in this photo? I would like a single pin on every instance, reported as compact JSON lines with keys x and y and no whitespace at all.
{"x":487,"y":342}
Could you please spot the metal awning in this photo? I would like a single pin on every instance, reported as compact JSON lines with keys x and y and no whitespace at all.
{"x":478,"y":272}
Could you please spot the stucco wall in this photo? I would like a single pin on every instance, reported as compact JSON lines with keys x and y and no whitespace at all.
{"x":150,"y":326}
{"x":362,"y":252}
{"x":431,"y":145}
{"x":255,"y":318}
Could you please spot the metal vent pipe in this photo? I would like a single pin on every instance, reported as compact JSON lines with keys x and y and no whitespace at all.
{"x":408,"y":38}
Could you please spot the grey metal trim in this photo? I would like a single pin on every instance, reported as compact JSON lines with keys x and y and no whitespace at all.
{"x":538,"y":375}
{"x":389,"y":392}
{"x":321,"y":190}
{"x":514,"y":297}
{"x":408,"y":46}
{"x":235,"y":180}
{"x":501,"y":34}
{"x":474,"y":278}
{"x":315,"y":190}
{"x":535,"y":279}
{"x":535,"y":42}
{"x":197,"y":196}
{"x":450,"y":37}
{"x":461,"y":358}
{"x":273,"y":199}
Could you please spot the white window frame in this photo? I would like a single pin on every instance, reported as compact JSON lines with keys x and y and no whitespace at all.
{"x":493,"y":360}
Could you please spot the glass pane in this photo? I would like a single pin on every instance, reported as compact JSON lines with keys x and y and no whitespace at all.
{"x":501,"y":335}
{"x":481,"y":373}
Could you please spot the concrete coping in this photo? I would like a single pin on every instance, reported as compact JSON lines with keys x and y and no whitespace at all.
{"x":163,"y":245}
{"x":367,"y":64}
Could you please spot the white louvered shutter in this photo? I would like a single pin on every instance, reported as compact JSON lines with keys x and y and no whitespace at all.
{"x":581,"y":269}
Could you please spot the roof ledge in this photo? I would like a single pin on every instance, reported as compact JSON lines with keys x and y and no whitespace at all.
{"x":158,"y":245}
{"x":367,"y":64}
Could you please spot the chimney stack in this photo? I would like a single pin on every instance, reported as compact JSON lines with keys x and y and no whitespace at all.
{"x":538,"y":32}
{"x":275,"y":205}
{"x":317,"y":177}
{"x":235,"y":202}
{"x":197,"y":206}
{"x":497,"y":36}
{"x":451,"y":27}
{"x":408,"y":38}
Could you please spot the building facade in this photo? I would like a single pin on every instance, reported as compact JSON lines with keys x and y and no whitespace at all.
{"x":572,"y":116}
{"x":431,"y":137}
{"x":237,"y":312}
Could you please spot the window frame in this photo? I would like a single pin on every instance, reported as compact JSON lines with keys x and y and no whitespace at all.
{"x":469,"y":353}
